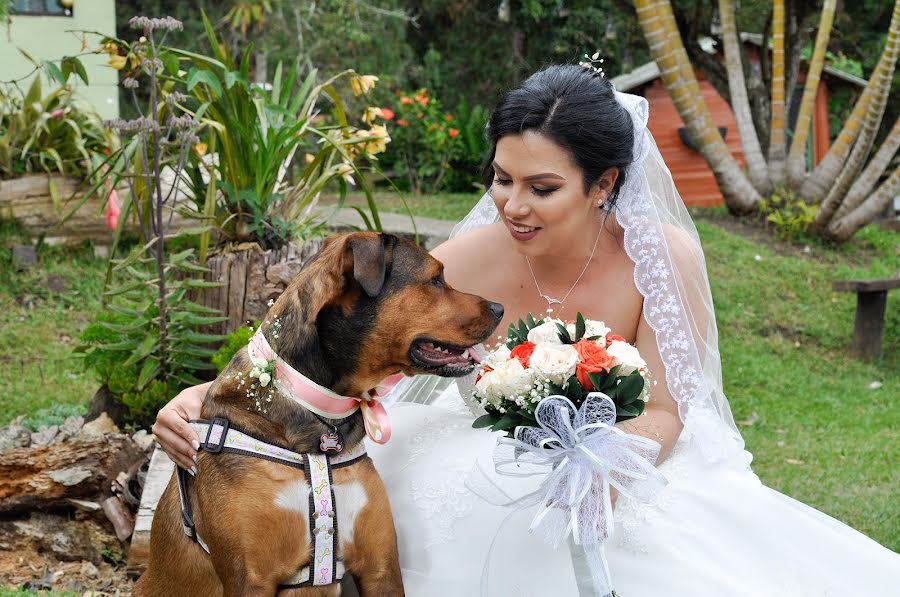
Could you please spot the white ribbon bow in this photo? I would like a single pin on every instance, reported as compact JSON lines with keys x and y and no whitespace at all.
{"x":586,"y":455}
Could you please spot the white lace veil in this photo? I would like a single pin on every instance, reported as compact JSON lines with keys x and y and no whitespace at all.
{"x":670,"y":273}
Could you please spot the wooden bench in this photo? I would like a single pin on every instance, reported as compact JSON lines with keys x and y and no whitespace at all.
{"x":871,"y":298}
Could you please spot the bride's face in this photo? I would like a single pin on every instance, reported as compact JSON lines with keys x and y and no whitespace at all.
{"x":539,"y":192}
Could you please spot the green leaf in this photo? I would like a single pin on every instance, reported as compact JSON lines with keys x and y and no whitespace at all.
{"x":196,"y":76}
{"x":630,"y":387}
{"x":531,"y":324}
{"x":483,"y":421}
{"x":53,"y":72}
{"x":505,"y":423}
{"x":564,"y":334}
{"x":598,"y":379}
{"x":170,"y":61}
{"x":579,"y":327}
{"x":148,"y":372}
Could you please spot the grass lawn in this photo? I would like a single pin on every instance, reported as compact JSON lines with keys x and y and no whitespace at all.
{"x":817,"y":430}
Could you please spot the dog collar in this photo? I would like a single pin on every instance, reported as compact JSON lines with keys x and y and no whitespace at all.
{"x":323,"y":401}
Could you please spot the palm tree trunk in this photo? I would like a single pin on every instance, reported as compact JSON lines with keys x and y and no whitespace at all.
{"x":667,"y":49}
{"x":777,"y":138}
{"x":740,"y":103}
{"x":847,"y":226}
{"x":797,"y":155}
{"x":823,"y":177}
{"x":862,"y":186}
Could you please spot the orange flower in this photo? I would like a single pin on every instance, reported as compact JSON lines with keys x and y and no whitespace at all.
{"x":422,"y":99}
{"x":610,"y":338}
{"x":523,"y":352}
{"x":406,"y":100}
{"x":387,"y":113}
{"x":401,"y":122}
{"x":449,"y":117}
{"x":592,"y":358}
{"x":453,"y":133}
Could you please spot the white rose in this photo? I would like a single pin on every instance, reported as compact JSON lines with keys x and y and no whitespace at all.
{"x":595,"y":328}
{"x":255,"y":372}
{"x":511,"y":379}
{"x":547,"y":332}
{"x":264,"y":379}
{"x":627,"y":356}
{"x":497,"y":357}
{"x":555,"y":362}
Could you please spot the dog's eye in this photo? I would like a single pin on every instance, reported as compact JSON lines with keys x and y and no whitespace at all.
{"x":438,"y":281}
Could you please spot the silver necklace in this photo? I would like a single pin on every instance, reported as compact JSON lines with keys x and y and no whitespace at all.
{"x":554,"y":301}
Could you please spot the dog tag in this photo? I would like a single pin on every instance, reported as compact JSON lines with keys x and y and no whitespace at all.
{"x":331,"y":442}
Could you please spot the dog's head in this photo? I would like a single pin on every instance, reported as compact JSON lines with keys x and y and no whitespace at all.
{"x":371,"y":305}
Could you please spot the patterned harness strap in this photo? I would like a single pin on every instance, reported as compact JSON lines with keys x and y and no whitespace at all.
{"x":325,"y":567}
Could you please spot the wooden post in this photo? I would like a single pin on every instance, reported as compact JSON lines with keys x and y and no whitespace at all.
{"x":868,"y":327}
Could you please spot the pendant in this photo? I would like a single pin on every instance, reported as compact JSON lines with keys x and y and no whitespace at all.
{"x":331,"y":441}
{"x":551,"y":301}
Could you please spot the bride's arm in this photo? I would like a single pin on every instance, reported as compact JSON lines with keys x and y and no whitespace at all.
{"x":660,"y":421}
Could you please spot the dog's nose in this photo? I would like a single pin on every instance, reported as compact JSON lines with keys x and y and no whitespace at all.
{"x":496,"y":310}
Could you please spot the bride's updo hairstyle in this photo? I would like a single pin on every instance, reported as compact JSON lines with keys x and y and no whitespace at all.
{"x":576,"y":108}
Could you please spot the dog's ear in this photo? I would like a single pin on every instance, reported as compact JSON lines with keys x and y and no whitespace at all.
{"x":369,"y":263}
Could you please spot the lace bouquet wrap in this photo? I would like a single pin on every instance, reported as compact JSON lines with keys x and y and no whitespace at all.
{"x":558,"y":389}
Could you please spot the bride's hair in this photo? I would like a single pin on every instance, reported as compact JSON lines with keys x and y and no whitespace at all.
{"x":576,"y":108}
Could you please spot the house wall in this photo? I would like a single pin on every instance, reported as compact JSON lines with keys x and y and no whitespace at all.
{"x":52,"y":37}
{"x":693,"y":178}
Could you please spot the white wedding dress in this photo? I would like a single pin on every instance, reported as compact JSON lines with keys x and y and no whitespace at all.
{"x":712,"y":530}
{"x":715,"y":530}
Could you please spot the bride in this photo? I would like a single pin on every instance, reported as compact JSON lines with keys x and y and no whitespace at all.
{"x":582,"y":216}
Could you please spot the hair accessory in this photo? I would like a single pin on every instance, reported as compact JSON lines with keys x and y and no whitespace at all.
{"x":593,"y":62}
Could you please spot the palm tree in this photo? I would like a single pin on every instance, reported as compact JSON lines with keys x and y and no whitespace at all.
{"x":665,"y":43}
{"x":843,"y":184}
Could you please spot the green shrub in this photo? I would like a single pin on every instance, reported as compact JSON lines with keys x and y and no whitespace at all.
{"x":788,"y":213}
{"x":233,"y":343}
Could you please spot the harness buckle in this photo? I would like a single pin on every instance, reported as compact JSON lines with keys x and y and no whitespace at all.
{"x":215,"y":448}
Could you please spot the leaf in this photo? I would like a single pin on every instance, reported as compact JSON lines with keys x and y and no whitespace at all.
{"x":564,"y":334}
{"x":483,"y":421}
{"x":531,"y":324}
{"x":79,"y":69}
{"x":598,"y":379}
{"x":196,"y":76}
{"x":170,"y":61}
{"x":148,"y":372}
{"x":630,"y":387}
{"x":53,"y":72}
{"x":579,"y":326}
{"x":504,"y":424}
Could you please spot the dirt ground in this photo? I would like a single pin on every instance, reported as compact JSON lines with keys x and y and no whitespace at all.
{"x":77,"y":553}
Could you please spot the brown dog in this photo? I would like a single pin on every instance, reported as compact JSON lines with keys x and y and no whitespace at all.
{"x":366,"y":307}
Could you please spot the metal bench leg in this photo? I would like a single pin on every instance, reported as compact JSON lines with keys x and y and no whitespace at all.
{"x":869,"y":324}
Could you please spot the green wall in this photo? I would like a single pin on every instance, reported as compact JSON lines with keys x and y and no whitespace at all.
{"x":46,"y":38}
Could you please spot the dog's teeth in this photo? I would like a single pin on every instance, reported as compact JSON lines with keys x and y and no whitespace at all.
{"x":465,"y":354}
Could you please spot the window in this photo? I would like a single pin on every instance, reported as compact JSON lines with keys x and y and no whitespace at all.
{"x":53,"y":8}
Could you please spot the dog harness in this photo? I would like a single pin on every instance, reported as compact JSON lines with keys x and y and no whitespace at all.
{"x":325,"y":567}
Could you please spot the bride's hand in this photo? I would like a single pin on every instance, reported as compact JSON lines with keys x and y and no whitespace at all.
{"x":172,"y":431}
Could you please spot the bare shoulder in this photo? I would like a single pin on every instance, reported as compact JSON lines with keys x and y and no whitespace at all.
{"x":463,"y":256}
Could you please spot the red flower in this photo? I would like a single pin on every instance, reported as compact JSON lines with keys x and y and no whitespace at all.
{"x":422,"y":99}
{"x":448,"y":118}
{"x":387,"y":113}
{"x":113,"y":209}
{"x":453,"y":133}
{"x":401,"y":122}
{"x":406,"y":100}
{"x":610,"y":338}
{"x":523,"y":352}
{"x":592,"y":358}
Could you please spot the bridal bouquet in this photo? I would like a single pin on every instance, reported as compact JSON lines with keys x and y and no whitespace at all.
{"x":558,"y":389}
{"x":550,"y":357}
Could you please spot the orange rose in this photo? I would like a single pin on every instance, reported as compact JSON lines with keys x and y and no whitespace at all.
{"x":387,"y":113}
{"x":610,"y":338}
{"x":401,"y":122}
{"x":523,"y":352}
{"x":406,"y":100}
{"x":453,"y":133}
{"x":592,"y":358}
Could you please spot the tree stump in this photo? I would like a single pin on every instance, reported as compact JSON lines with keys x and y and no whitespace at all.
{"x":249,"y":278}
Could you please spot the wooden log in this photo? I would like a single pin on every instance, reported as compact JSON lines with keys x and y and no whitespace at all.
{"x":48,"y":477}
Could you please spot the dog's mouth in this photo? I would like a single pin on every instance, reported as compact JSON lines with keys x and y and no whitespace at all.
{"x":443,"y":359}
